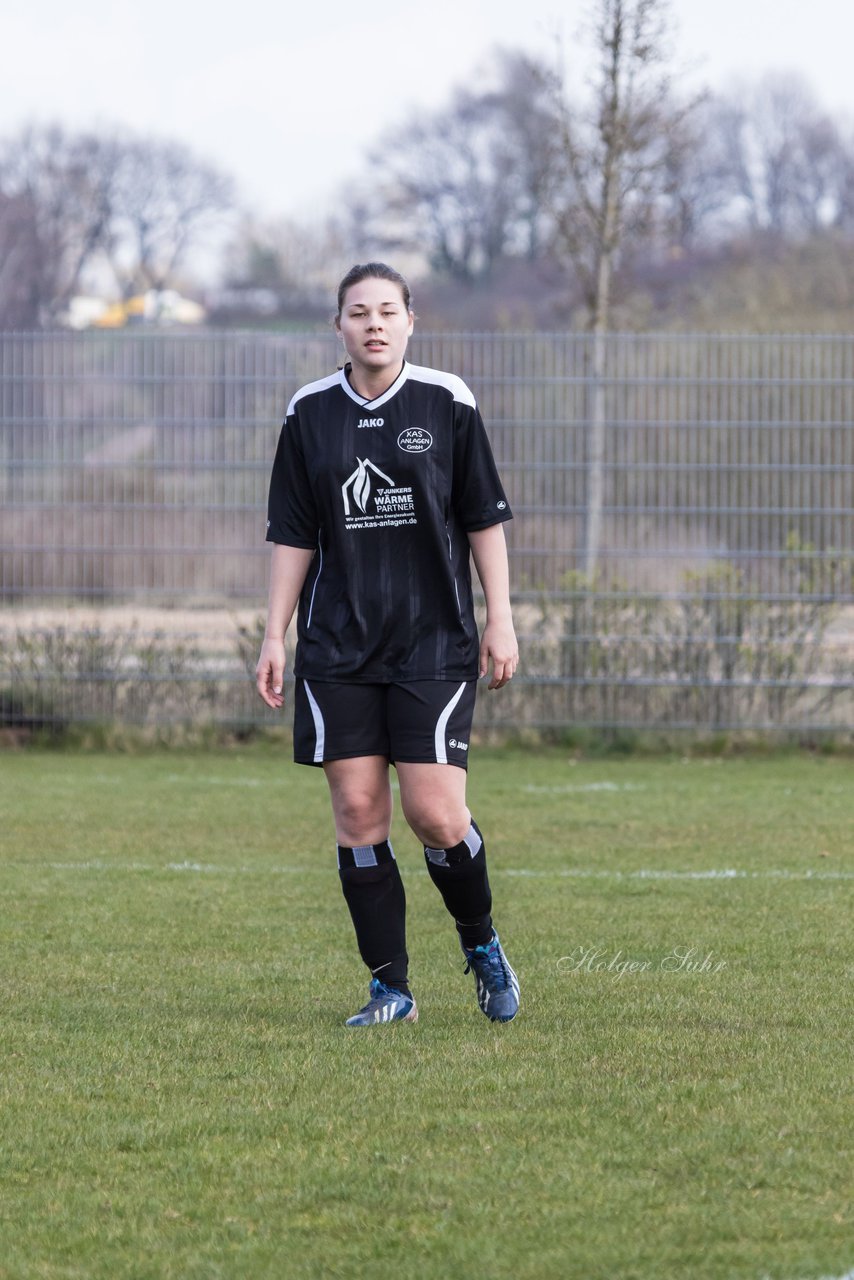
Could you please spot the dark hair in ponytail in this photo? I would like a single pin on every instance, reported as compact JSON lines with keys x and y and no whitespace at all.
{"x":372,"y":271}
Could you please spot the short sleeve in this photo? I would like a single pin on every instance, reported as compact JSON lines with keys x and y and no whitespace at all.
{"x":478,"y":497}
{"x":291,"y":512}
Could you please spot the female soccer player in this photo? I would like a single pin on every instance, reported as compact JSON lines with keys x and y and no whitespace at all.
{"x":382,"y":487}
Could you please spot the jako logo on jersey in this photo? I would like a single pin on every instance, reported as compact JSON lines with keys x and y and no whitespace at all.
{"x":501,"y":506}
{"x":359,"y":485}
{"x":414,"y":440}
{"x":370,"y":422}
{"x":463,"y":746}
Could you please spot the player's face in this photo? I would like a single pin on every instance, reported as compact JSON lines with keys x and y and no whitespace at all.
{"x":375,"y":325}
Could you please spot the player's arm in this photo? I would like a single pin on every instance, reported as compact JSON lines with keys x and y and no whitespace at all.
{"x":498,"y":642}
{"x":288,"y":569}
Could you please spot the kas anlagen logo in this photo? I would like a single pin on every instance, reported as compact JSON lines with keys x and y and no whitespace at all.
{"x":414,"y":440}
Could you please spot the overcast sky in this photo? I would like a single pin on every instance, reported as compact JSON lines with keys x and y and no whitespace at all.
{"x":288,"y":96}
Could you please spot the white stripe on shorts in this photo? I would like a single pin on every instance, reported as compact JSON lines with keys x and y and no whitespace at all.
{"x":319,"y":726}
{"x":442,"y":724}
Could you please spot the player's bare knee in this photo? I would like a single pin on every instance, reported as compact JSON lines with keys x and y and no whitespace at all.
{"x":361,"y":817}
{"x":438,"y":825}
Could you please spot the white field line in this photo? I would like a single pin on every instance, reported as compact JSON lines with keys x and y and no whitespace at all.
{"x":673,"y":874}
{"x":573,"y":873}
{"x":187,"y":780}
{"x":569,"y":788}
{"x":849,"y":1275}
{"x":607,"y":788}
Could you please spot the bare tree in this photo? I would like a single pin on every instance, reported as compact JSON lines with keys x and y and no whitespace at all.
{"x":464,"y":186}
{"x":138,"y":204}
{"x":278,"y":266}
{"x":20,"y":263}
{"x":844,"y":216}
{"x":165,"y":199}
{"x":704,"y":177}
{"x":440,"y":192}
{"x":611,"y":185}
{"x":787,"y":159}
{"x":615,"y":152}
{"x":67,"y":181}
{"x":785,"y":125}
{"x":521,"y":105}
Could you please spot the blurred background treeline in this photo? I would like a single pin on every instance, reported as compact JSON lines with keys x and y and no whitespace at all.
{"x":512,"y":207}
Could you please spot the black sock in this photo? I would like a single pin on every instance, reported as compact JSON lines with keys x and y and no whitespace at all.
{"x":459,"y":873}
{"x":374,"y":893}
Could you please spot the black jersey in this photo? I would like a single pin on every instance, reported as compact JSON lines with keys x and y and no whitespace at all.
{"x":386,"y":491}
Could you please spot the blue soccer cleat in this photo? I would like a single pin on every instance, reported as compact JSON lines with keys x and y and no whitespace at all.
{"x":497,"y":984}
{"x":385,"y":1005}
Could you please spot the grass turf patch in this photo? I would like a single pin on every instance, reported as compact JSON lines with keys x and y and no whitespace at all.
{"x":180,"y":1098}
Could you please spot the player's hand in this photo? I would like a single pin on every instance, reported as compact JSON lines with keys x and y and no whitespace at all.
{"x":498,"y":645}
{"x":270,"y":673}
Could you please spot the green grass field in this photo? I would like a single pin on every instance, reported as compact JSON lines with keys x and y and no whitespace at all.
{"x":180,"y":1099}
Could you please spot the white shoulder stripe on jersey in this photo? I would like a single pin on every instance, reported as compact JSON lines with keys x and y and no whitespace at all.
{"x":414,"y":372}
{"x":437,"y":377}
{"x":311,"y":388}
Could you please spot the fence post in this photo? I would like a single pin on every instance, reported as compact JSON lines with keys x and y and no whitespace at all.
{"x":595,"y":458}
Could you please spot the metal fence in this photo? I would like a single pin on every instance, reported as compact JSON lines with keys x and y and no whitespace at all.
{"x":134,"y":470}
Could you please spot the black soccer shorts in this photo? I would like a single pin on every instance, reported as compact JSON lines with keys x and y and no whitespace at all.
{"x":417,"y":722}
